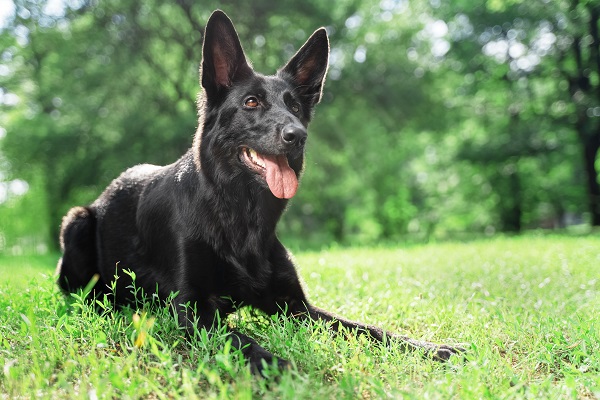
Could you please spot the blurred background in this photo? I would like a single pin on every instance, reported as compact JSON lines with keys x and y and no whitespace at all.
{"x":439,"y":119}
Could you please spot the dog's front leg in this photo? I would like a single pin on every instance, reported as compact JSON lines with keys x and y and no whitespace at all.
{"x":436,"y":351}
{"x":257,"y":356}
{"x":289,"y":298}
{"x":298,"y":307}
{"x":193,"y":319}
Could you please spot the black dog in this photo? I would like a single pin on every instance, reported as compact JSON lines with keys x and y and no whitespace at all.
{"x":204,"y":227}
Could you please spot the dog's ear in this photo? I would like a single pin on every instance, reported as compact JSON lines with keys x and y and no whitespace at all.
{"x":308,"y":67}
{"x":223,"y":59}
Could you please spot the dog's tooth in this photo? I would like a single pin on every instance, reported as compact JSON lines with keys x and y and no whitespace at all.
{"x":254,"y":158}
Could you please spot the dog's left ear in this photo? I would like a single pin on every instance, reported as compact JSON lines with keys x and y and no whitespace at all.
{"x":308,"y":67}
{"x":223,"y":59}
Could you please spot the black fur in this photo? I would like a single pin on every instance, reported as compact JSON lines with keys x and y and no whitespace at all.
{"x":204,"y":226}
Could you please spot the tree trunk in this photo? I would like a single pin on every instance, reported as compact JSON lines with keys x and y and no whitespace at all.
{"x":585,"y":94}
{"x":54,"y":214}
{"x":590,"y":152}
{"x":511,"y":211}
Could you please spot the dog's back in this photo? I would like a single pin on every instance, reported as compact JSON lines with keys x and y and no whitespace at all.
{"x":92,"y":235}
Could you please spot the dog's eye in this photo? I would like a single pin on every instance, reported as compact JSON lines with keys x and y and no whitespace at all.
{"x":251,"y":102}
{"x":295,"y":107}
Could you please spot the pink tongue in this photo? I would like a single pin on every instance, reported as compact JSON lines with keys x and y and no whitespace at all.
{"x":280,"y":177}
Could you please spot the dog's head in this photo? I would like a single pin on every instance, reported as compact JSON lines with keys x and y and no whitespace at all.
{"x":253,"y":127}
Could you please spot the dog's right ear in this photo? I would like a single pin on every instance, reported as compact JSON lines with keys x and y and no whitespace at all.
{"x":223,"y":59}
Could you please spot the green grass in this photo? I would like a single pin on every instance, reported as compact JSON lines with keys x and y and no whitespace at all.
{"x":528,"y":308}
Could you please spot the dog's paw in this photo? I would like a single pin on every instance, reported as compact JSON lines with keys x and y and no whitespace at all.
{"x":269,"y":366}
{"x":443,"y":352}
{"x":437,"y":352}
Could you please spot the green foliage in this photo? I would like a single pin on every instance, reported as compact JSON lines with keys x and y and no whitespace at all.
{"x":436,"y":118}
{"x":525,"y":306}
{"x":519,"y":63}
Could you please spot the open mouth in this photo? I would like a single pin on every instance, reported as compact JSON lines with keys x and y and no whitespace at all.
{"x":280,"y":178}
{"x":252,"y":159}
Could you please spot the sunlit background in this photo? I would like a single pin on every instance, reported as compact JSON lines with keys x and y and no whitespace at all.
{"x":439,"y":119}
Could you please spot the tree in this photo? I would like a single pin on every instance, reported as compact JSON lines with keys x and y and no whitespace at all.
{"x":579,"y":64}
{"x":436,"y":118}
{"x":512,"y":55}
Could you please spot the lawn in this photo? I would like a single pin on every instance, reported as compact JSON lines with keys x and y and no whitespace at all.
{"x":527,"y":308}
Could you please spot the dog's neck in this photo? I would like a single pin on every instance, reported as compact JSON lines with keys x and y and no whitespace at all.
{"x":245,"y":224}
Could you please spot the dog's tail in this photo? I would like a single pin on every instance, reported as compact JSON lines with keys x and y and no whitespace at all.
{"x":78,"y":266}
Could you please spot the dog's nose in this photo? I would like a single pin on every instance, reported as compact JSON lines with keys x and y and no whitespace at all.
{"x":294,"y":135}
